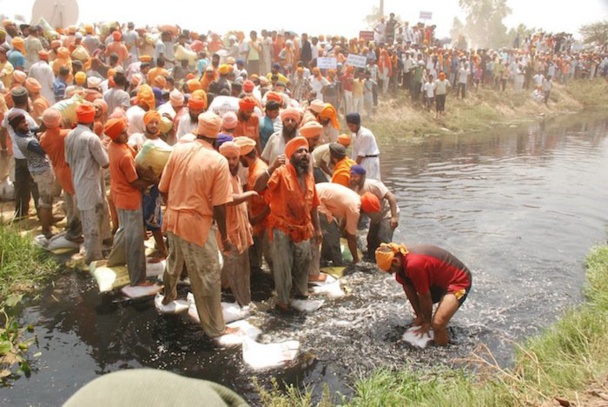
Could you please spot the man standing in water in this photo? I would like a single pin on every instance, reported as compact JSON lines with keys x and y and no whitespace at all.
{"x":428,"y":275}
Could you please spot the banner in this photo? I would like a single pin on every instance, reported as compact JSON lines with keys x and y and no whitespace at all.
{"x":327,"y":63}
{"x":358,"y":61}
{"x":366,"y":35}
{"x":426,"y":15}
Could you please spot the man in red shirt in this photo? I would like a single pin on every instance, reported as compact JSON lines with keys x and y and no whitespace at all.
{"x":126,"y":188}
{"x":428,"y":275}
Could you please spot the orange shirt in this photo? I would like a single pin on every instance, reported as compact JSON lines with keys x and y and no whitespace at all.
{"x":340,"y":202}
{"x":196,"y":178}
{"x":122,"y":173}
{"x":250,"y":128}
{"x":237,"y":223}
{"x":257,"y":204}
{"x":53,"y":143}
{"x":341,"y":174}
{"x":290,"y":206}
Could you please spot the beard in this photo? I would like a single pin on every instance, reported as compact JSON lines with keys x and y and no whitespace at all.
{"x":290,"y":132}
{"x":234,"y":170}
{"x":301,"y":165}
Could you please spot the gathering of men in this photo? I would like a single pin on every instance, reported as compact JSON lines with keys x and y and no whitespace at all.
{"x":258,"y":179}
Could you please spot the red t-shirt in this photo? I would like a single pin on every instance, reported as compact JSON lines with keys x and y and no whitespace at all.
{"x":427,"y":266}
{"x":122,"y":173}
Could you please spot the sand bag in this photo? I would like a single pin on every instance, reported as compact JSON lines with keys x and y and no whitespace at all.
{"x":170,"y":28}
{"x":68,"y":107}
{"x":7,"y":190}
{"x":269,"y":355}
{"x":330,"y":288}
{"x":48,"y":31}
{"x":109,"y":278}
{"x":151,"y":38}
{"x":246,"y":330}
{"x":231,"y":311}
{"x":306,"y":305}
{"x":104,"y":28}
{"x":417,"y":341}
{"x":181,"y":53}
{"x":140,"y":291}
{"x":224,"y":104}
{"x":174,"y":307}
{"x":153,"y":156}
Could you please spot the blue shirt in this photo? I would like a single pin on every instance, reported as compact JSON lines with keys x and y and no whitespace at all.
{"x":59,"y":87}
{"x":266,"y":130}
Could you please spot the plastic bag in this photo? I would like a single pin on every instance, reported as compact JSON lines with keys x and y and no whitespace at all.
{"x":182,"y":53}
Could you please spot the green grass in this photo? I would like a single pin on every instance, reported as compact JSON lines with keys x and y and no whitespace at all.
{"x":561,"y":362}
{"x":23,"y":266}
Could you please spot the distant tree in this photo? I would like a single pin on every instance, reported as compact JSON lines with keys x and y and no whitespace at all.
{"x":483,"y":24}
{"x":372,"y":19}
{"x":595,"y":32}
{"x":521,"y":32}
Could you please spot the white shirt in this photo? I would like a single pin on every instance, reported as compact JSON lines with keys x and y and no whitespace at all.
{"x":364,"y":145}
{"x":43,"y":73}
{"x":135,"y":117}
{"x":185,"y":126}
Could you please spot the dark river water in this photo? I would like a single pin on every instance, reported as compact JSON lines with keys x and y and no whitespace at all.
{"x":521,"y":207}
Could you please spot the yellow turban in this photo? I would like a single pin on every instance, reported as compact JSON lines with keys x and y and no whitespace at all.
{"x":225,"y":69}
{"x":386,"y":253}
{"x":19,"y":44}
{"x":145,"y":95}
{"x":80,"y":78}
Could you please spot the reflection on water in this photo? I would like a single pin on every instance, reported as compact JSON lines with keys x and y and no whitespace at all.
{"x":520,"y":207}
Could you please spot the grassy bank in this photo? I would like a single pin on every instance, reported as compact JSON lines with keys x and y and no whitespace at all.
{"x":23,"y":269}
{"x":483,"y":109}
{"x":556,"y":367}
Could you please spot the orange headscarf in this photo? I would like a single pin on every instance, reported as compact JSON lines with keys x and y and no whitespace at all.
{"x":145,"y":95}
{"x":294,"y":145}
{"x":198,"y":100}
{"x":151,"y":115}
{"x":329,"y":112}
{"x":386,"y":253}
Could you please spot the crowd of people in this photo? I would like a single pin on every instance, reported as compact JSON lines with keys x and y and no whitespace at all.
{"x":260,"y":169}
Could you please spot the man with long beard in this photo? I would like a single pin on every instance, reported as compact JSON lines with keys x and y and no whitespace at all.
{"x":293,"y":220}
{"x":276,"y":143}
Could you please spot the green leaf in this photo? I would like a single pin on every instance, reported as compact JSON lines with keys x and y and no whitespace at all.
{"x":5,"y":347}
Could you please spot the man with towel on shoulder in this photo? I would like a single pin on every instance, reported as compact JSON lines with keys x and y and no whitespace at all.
{"x":428,"y":275}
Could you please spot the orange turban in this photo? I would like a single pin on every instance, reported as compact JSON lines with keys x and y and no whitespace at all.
{"x":247,"y":104}
{"x":193,"y":85}
{"x":151,"y":115}
{"x":51,"y":118}
{"x":386,"y":253}
{"x":43,"y":54}
{"x":311,"y":129}
{"x":329,"y":112}
{"x":370,"y":203}
{"x":248,"y":86}
{"x":291,"y":113}
{"x":145,"y":58}
{"x":18,"y":43}
{"x":116,"y":35}
{"x":145,"y":95}
{"x":19,"y":76}
{"x":229,"y":149}
{"x":85,"y":113}
{"x":294,"y":145}
{"x":274,"y":96}
{"x":161,"y":81}
{"x":63,"y":52}
{"x":32,"y":85}
{"x":344,"y":139}
{"x":198,"y":100}
{"x":209,"y":124}
{"x":88,"y":28}
{"x":114,"y":128}
{"x":246,"y":144}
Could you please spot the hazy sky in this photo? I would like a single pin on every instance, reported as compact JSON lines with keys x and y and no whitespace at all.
{"x":316,"y":16}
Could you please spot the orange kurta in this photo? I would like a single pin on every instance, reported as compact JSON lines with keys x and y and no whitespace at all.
{"x":290,"y":206}
{"x":257,"y":204}
{"x":237,"y":222}
{"x":197,"y":178}
{"x":250,"y":128}
{"x":53,"y":143}
{"x":122,"y":173}
{"x":341,"y":174}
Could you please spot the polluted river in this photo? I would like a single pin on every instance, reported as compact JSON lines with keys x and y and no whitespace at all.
{"x":521,"y":207}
